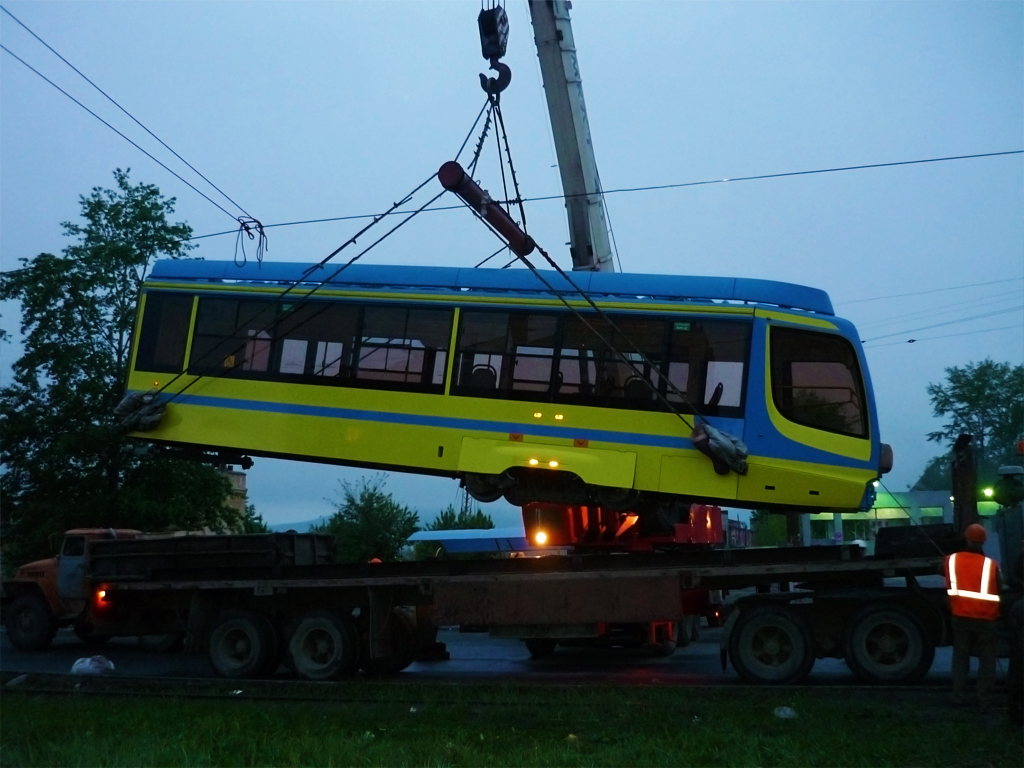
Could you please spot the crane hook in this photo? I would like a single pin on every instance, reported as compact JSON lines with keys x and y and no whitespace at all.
{"x":494,"y":86}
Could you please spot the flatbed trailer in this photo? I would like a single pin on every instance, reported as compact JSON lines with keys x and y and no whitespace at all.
{"x":325,"y":620}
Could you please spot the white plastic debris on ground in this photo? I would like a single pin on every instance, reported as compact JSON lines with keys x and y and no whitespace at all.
{"x":94,"y":665}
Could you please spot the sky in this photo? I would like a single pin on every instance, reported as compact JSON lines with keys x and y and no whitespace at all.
{"x":302,"y":111}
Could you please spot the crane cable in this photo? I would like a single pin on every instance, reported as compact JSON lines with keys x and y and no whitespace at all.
{"x":205,"y":373}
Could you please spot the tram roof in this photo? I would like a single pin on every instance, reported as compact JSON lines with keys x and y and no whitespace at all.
{"x":497,"y":281}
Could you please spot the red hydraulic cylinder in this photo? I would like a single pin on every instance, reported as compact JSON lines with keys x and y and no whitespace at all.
{"x":456,"y":180}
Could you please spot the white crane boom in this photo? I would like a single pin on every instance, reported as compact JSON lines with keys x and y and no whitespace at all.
{"x":589,"y":245}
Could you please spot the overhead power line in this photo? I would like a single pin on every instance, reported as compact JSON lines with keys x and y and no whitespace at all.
{"x":650,"y":188}
{"x":948,"y":322}
{"x":933,"y":290}
{"x":129,"y":114}
{"x":943,"y":309}
{"x":1016,"y":327}
{"x":143,"y":151}
{"x":780,"y":175}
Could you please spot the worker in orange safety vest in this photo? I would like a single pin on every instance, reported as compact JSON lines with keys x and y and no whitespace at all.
{"x":972,"y":583}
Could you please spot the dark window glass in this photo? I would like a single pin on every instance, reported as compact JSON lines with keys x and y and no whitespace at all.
{"x":323,"y":342}
{"x":164,"y":334}
{"x":816,"y":381}
{"x":403,"y":348}
{"x":74,"y":546}
{"x":232,"y":335}
{"x":618,"y":361}
{"x":708,"y":366}
{"x":314,"y":342}
{"x":611,"y":363}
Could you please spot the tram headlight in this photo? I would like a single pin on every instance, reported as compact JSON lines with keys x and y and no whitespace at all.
{"x":533,"y":462}
{"x":540,"y":538}
{"x":552,"y":464}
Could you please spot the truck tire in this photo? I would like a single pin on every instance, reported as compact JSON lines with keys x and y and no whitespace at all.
{"x":31,"y":626}
{"x":540,"y":647}
{"x":241,"y":644}
{"x":324,"y":645}
{"x":886,"y":644}
{"x":771,"y":645}
{"x":403,"y":647}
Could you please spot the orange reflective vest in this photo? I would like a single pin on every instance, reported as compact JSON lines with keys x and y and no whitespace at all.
{"x":972,"y":583}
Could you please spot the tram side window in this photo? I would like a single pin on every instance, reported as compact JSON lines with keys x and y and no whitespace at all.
{"x":315,"y":341}
{"x":232,"y":335}
{"x":816,"y":381}
{"x":404,"y":348}
{"x":707,"y":365}
{"x":164,"y":334}
{"x":625,"y":375}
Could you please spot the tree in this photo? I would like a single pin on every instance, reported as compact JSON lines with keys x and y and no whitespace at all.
{"x":66,"y":462}
{"x":369,"y":523}
{"x":449,"y":520}
{"x":767,"y":529}
{"x":983,"y":399}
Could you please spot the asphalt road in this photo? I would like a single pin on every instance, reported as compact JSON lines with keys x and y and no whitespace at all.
{"x":474,"y":658}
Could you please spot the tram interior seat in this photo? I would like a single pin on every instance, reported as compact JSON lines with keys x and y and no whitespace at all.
{"x":483,"y":377}
{"x":637,"y":388}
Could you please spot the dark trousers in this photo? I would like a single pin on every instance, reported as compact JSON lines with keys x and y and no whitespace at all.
{"x":979,"y":634}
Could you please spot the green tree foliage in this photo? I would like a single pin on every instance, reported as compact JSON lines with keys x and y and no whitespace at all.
{"x":983,"y":399}
{"x":767,"y":529}
{"x":252,"y":522}
{"x":369,"y":523}
{"x":65,"y":461}
{"x":450,"y":520}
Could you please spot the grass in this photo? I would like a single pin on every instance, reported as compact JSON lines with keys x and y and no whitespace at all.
{"x":362,"y":723}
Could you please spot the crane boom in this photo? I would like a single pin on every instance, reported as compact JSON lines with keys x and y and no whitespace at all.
{"x":584,"y":201}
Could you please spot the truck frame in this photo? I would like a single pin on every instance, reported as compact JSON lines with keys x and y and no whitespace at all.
{"x":254,"y":601}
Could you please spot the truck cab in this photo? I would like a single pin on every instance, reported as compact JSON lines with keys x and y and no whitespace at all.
{"x":46,"y":595}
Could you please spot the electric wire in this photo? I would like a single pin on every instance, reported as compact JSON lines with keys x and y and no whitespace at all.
{"x":657,"y":187}
{"x":933,"y":290}
{"x":990,"y":300}
{"x":948,"y":322}
{"x":206,"y":197}
{"x":666,"y":186}
{"x":281,"y":296}
{"x":1016,"y":327}
{"x":129,"y":114}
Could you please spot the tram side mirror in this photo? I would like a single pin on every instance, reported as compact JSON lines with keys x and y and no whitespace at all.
{"x":885,"y":459}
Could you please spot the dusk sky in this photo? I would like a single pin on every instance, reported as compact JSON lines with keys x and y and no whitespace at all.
{"x":304,"y":111}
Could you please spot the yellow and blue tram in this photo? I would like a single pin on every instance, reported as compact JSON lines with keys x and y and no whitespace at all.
{"x":511,"y":381}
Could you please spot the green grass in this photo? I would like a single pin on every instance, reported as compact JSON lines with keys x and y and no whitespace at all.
{"x":363,"y":723}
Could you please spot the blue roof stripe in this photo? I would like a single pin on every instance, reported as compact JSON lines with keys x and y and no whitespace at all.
{"x":448,"y":280}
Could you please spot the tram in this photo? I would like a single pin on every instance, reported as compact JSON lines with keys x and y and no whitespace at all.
{"x":520,"y":383}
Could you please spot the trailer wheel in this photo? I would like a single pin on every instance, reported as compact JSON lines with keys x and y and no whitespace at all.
{"x":403,"y":647}
{"x":241,"y":644}
{"x":31,"y":626}
{"x":540,"y":647}
{"x":887,"y":645}
{"x":771,"y":645}
{"x":324,"y":646}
